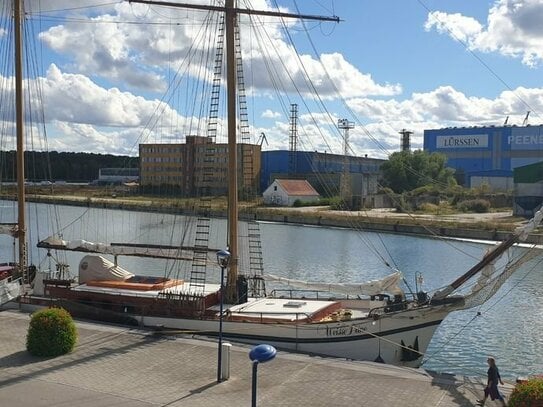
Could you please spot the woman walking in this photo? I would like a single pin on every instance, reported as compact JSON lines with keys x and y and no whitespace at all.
{"x":491,"y":389}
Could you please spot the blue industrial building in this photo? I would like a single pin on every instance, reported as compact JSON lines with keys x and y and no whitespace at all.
{"x":487,"y":155}
{"x":322,"y":170}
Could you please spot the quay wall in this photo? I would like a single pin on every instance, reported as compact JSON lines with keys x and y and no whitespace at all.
{"x":314,"y":218}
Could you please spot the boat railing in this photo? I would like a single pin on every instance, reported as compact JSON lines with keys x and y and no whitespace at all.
{"x":303,"y":294}
{"x":391,"y":306}
{"x":262,"y":316}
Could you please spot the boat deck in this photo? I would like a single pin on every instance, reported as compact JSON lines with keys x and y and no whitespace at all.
{"x":281,"y":309}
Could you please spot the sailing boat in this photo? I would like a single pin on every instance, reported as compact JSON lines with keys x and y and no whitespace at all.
{"x":373,"y":321}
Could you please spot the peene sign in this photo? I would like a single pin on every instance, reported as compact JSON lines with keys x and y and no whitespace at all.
{"x":471,"y":141}
{"x":529,"y":139}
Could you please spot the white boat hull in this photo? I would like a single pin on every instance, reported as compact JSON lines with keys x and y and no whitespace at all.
{"x":358,"y":339}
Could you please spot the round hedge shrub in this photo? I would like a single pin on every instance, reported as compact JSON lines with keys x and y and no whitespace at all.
{"x":527,"y":394}
{"x":51,"y":332}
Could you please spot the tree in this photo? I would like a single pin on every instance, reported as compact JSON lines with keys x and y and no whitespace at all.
{"x":406,"y":170}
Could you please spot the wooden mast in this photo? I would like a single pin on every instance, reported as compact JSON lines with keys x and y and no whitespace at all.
{"x":231,"y":16}
{"x":232,"y":276}
{"x":19,"y":105}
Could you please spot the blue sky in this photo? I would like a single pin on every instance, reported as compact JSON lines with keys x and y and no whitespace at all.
{"x":106,"y":69}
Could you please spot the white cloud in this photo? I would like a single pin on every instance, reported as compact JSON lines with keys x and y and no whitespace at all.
{"x":137,"y":45}
{"x":513,"y":28}
{"x":442,"y":107}
{"x":75,"y":98}
{"x":270,"y":114}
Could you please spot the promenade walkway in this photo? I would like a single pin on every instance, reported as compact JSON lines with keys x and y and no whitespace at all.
{"x":115,"y":366}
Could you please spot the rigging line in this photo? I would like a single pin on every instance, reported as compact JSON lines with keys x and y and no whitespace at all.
{"x":515,"y":285}
{"x":440,"y":349}
{"x":344,"y":102}
{"x":298,"y":90}
{"x":80,"y":8}
{"x":51,"y":19}
{"x":164,"y":100}
{"x":308,"y":81}
{"x":426,"y":227}
{"x":75,"y":220}
{"x":480,"y":313}
{"x":480,"y":60}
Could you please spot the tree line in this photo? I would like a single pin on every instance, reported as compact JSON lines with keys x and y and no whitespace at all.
{"x":65,"y":166}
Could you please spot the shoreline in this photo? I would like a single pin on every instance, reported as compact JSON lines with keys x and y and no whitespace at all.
{"x":489,"y":227}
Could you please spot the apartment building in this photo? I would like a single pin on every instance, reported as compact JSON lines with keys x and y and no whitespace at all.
{"x":198,"y":167}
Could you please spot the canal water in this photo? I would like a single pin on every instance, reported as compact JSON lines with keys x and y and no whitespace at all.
{"x":509,"y":326}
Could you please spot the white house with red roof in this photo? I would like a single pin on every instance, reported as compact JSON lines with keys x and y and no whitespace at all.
{"x":285,"y":192}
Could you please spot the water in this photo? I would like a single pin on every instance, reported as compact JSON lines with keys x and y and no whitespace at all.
{"x":509,"y":326}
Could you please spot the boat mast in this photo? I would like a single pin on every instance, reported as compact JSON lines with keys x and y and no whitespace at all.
{"x":231,"y":17}
{"x":232,"y":243}
{"x":19,"y":104}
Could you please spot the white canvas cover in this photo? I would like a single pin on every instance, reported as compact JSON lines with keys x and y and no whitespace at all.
{"x":388,"y":284}
{"x":8,"y":229}
{"x":98,"y":268}
{"x":9,"y":290}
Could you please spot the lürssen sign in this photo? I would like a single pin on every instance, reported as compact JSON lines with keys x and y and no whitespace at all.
{"x":471,"y":141}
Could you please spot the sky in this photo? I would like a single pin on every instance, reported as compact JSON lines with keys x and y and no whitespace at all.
{"x":114,"y":74}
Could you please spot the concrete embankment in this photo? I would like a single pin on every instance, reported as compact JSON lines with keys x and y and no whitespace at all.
{"x":496,"y":227}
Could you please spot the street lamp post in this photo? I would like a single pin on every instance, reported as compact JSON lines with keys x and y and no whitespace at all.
{"x":223,"y":257}
{"x":260,"y":354}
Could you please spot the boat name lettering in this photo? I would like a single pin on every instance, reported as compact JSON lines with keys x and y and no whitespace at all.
{"x":344,"y":330}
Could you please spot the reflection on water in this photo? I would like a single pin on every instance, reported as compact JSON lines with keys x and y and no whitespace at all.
{"x":510,"y":325}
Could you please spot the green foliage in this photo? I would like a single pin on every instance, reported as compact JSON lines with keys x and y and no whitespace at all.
{"x":425,"y":190}
{"x":385,"y":190}
{"x":65,"y":166}
{"x":406,"y":170}
{"x":474,"y":205}
{"x":527,"y":394}
{"x":402,"y":205}
{"x":320,"y":202}
{"x":51,"y":332}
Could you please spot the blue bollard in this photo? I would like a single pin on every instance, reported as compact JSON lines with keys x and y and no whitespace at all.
{"x":260,"y":354}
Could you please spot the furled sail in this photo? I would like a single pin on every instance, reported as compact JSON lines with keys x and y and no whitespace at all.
{"x":9,"y":290}
{"x":98,"y":268}
{"x":8,"y":229}
{"x":118,"y":249}
{"x":388,"y":284}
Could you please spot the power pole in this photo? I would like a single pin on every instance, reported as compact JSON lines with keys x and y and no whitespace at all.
{"x":405,"y":141}
{"x":345,"y":185}
{"x":293,"y":139}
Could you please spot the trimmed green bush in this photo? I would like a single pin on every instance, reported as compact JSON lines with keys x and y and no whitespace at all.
{"x":527,"y":394}
{"x":51,"y":332}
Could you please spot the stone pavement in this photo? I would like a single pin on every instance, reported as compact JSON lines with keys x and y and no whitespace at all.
{"x":116,"y":366}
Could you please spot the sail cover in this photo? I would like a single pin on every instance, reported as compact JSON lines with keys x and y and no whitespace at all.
{"x":99,"y":268}
{"x":8,"y":229}
{"x":388,"y":284}
{"x":9,"y":290}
